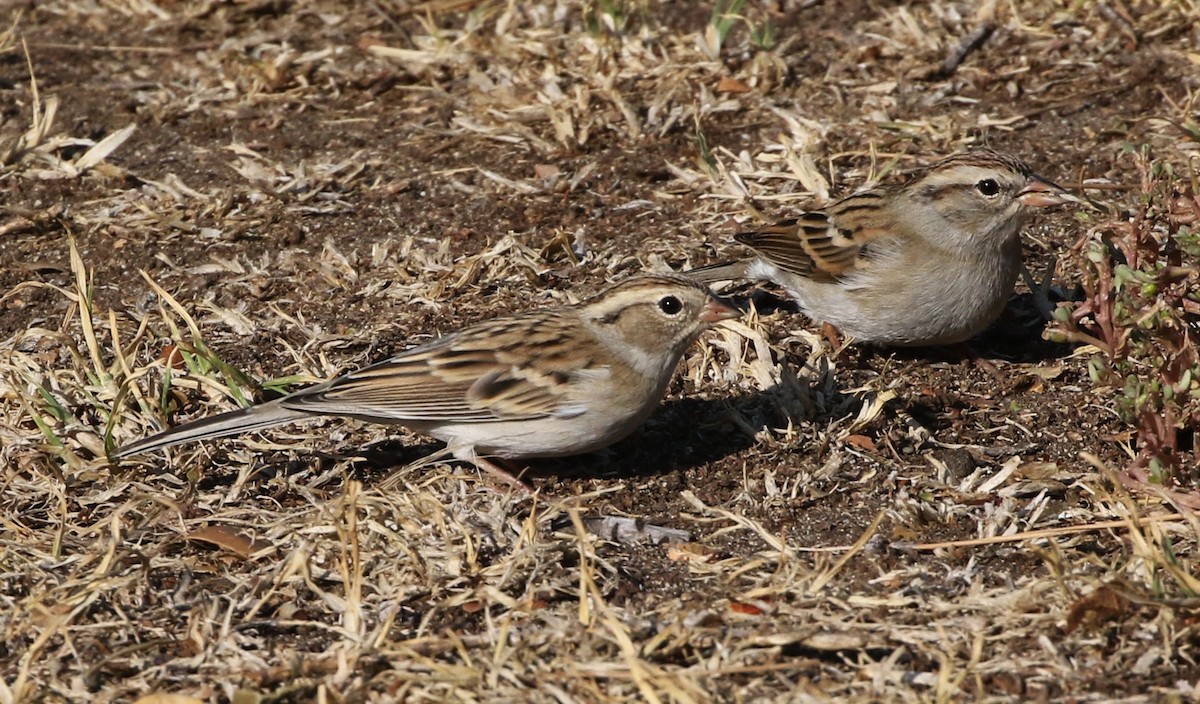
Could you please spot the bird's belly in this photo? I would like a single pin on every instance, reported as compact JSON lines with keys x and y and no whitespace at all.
{"x":545,"y":437}
{"x":936,"y":308}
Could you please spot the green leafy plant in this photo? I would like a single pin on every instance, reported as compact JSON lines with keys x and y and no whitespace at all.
{"x":725,"y":15}
{"x":612,"y":16}
{"x":1142,"y":312}
{"x":762,"y":37}
{"x":705,"y":158}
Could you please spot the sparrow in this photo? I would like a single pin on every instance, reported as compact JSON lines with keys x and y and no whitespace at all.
{"x":545,"y":383}
{"x":929,"y":262}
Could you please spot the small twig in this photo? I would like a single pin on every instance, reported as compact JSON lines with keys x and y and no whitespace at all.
{"x":100,"y":47}
{"x":965,"y":48}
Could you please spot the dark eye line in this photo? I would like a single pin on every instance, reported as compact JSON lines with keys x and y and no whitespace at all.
{"x":967,"y":188}
{"x":938,"y":192}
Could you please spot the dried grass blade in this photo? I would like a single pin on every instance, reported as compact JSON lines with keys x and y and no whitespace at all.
{"x":587,"y":585}
{"x":824,"y":578}
{"x":774,"y":541}
{"x":100,"y":151}
{"x":83,"y":296}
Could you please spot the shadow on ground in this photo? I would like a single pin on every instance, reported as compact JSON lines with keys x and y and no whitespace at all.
{"x":683,"y":434}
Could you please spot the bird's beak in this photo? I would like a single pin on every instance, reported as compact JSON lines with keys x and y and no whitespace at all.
{"x":717,"y":310}
{"x":1040,"y":193}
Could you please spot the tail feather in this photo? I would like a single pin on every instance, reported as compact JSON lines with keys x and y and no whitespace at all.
{"x":243,"y":420}
{"x":725,"y":271}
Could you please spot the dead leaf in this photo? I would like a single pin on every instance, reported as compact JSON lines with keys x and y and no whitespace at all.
{"x":367,"y":41}
{"x":546,"y":170}
{"x":171,"y":357}
{"x":228,"y":538}
{"x":732,"y":85}
{"x":861,"y":441}
{"x":1046,"y":373}
{"x":1040,"y":470}
{"x":689,"y":551}
{"x":1033,"y":487}
{"x":741,"y":607}
{"x":1103,"y":604}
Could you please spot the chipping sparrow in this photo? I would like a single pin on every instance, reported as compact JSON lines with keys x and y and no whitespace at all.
{"x":931,"y":262}
{"x":545,"y":383}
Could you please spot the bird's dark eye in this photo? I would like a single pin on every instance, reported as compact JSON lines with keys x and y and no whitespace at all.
{"x":670,"y":305}
{"x":988,"y":187}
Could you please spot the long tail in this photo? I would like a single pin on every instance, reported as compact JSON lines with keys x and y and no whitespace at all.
{"x":725,"y":271}
{"x":244,"y":420}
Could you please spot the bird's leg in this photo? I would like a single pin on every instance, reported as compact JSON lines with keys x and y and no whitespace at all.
{"x":497,"y":469}
{"x":510,"y":475}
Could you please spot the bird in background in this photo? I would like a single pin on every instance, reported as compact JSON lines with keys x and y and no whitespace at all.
{"x":929,"y":262}
{"x":545,"y":383}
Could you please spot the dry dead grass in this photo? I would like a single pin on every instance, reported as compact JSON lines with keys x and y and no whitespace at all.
{"x":304,"y":181}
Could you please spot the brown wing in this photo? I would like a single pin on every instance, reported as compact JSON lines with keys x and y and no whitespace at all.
{"x":480,"y":374}
{"x":822,"y":245}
